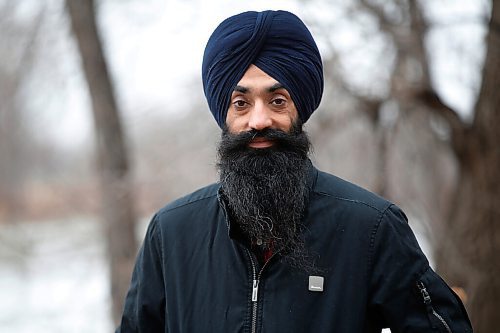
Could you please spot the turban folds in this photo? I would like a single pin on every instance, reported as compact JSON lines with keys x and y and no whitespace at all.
{"x":278,"y":43}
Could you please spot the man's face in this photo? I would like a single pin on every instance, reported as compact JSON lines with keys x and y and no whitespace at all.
{"x":259,"y":102}
{"x":263,"y":166}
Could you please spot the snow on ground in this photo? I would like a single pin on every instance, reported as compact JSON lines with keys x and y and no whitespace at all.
{"x":53,"y":278}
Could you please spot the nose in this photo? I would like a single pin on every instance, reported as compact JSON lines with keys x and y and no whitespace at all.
{"x":260,"y":117}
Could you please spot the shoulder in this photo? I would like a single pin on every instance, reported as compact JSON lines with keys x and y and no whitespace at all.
{"x":186,"y":219}
{"x":195,"y":203}
{"x":384,"y":225}
{"x":361,"y":208}
{"x":332,"y":188}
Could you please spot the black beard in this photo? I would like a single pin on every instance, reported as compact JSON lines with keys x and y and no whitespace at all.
{"x":266,"y":189}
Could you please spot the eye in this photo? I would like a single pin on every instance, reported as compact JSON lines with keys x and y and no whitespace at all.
{"x":278,"y":101}
{"x":240,"y":104}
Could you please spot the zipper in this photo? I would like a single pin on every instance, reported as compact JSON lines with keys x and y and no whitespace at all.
{"x":255,"y":286}
{"x":430,"y":309}
{"x":255,"y":275}
{"x":255,"y":292}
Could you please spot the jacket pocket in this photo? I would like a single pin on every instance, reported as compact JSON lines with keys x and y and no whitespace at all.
{"x":436,"y":320}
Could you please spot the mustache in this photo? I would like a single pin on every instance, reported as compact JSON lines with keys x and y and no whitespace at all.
{"x":267,"y":133}
{"x":295,"y":141}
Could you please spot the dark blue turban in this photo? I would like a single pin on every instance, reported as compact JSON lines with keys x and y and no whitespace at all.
{"x":278,"y":43}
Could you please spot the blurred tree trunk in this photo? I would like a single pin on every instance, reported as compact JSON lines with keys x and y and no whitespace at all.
{"x":467,"y":243}
{"x":474,"y":223}
{"x":112,"y":153}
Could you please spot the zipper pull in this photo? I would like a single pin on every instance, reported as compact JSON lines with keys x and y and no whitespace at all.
{"x":255,"y":290}
{"x":423,"y":291}
{"x":433,"y":315}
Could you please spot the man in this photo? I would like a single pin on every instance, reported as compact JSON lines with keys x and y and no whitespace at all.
{"x":276,"y":245}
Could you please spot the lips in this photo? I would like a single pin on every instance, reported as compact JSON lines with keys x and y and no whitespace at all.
{"x":260,"y":142}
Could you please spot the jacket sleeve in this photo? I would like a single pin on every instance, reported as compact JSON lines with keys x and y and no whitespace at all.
{"x":144,"y":309}
{"x":405,"y":293}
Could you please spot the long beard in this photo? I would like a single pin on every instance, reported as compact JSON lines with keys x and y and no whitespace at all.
{"x":266,"y":189}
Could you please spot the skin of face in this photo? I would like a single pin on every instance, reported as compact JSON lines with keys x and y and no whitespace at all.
{"x":259,"y":102}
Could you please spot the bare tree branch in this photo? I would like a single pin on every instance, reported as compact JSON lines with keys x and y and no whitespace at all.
{"x":487,"y":114}
{"x":28,"y":52}
{"x":384,"y":23}
{"x":419,"y":29}
{"x":459,"y":129}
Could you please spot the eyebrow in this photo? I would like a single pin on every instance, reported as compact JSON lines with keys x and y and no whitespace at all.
{"x":271,"y":89}
{"x":275,"y":87}
{"x":241,"y":89}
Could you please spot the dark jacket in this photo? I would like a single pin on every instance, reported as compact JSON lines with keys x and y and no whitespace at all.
{"x":192,"y":276}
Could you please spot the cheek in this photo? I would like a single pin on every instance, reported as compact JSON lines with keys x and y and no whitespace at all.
{"x":289,"y":123}
{"x":285,"y":121}
{"x":234,"y":124}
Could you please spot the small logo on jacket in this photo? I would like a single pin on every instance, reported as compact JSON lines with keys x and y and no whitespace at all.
{"x":316,"y":283}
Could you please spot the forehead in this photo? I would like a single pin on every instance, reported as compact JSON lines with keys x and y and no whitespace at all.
{"x":255,"y":76}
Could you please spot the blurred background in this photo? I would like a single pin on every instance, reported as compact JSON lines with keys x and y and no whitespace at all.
{"x":103,"y":121}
